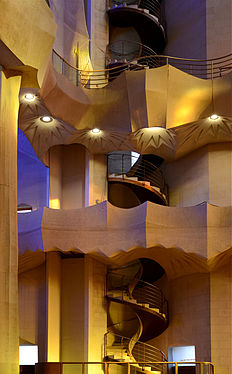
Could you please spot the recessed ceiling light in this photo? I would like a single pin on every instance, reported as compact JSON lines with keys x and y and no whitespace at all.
{"x":155,"y":128}
{"x":46,"y":119}
{"x":96,"y":131}
{"x":29,"y":97}
{"x":214,"y":116}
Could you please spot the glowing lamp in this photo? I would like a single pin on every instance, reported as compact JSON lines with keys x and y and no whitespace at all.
{"x":214,"y":116}
{"x":29,"y":97}
{"x":96,"y":131}
{"x":46,"y":119}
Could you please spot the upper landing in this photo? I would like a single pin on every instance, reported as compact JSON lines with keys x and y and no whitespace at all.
{"x":163,"y":111}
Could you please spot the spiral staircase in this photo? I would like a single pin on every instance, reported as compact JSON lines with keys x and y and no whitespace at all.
{"x":151,"y":312}
{"x":133,"y":181}
{"x":145,"y":16}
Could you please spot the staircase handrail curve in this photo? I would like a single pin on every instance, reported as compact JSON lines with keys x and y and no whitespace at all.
{"x":152,"y":6}
{"x":135,"y":338}
{"x":212,"y":68}
{"x":128,"y":157}
{"x":155,"y":56}
{"x":144,"y":50}
{"x":155,"y":297}
{"x":134,"y":282}
{"x":125,"y":338}
{"x":146,"y":170}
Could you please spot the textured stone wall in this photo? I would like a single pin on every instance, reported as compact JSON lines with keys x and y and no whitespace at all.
{"x":9,"y":89}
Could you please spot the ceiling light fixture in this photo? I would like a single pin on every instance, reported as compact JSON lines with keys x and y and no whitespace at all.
{"x":96,"y":131}
{"x":46,"y":119}
{"x":29,"y":97}
{"x":214,"y":116}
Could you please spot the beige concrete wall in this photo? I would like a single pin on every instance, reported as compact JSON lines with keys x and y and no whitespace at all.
{"x":188,"y":179}
{"x":73,"y":176}
{"x":203,"y":175}
{"x":53,"y":297}
{"x":99,"y":34}
{"x":73,"y":310}
{"x":220,"y":174}
{"x":96,"y":310}
{"x":72,"y":39}
{"x":189,"y":313}
{"x":67,"y":177}
{"x":186,"y":29}
{"x":218,"y":28}
{"x":32,"y":309}
{"x":9,"y":90}
{"x":96,"y":183}
{"x":84,"y":318}
{"x":220,"y":317}
{"x":55,"y":163}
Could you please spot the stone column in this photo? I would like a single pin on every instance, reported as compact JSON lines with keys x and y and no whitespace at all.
{"x":9,"y":336}
{"x":53,"y":280}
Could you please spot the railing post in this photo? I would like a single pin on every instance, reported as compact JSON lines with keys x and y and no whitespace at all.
{"x":83,"y":368}
{"x":176,"y":368}
{"x":106,"y":368}
{"x":201,"y":368}
{"x":166,"y":60}
{"x":128,"y":368}
{"x":212,"y":70}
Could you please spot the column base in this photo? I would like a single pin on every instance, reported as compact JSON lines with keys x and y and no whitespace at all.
{"x":48,"y":368}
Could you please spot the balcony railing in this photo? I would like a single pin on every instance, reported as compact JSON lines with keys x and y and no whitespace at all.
{"x":124,"y":166}
{"x":99,"y":367}
{"x":123,"y":51}
{"x":205,"y":69}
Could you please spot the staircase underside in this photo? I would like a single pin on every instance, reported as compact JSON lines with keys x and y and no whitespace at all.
{"x":147,"y":26}
{"x":154,"y":322}
{"x":143,"y":191}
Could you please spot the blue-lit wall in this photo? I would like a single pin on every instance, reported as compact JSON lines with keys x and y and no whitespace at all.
{"x":33,"y":176}
{"x":33,"y":190}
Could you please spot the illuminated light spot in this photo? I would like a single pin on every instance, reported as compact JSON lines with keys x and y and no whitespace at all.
{"x":28,"y":354}
{"x":214,"y":116}
{"x":29,"y":97}
{"x":155,"y":128}
{"x":96,"y":131}
{"x":46,"y":119}
{"x":54,"y":203}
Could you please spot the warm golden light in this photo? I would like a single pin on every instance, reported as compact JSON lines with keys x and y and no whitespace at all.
{"x":46,"y":119}
{"x":54,"y":203}
{"x":214,"y":116}
{"x":96,"y":131}
{"x":29,"y":97}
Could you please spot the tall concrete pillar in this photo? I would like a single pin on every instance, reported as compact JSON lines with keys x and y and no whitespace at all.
{"x":53,"y":281}
{"x":9,"y":337}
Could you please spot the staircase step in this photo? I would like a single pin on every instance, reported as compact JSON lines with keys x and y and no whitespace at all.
{"x":155,"y":310}
{"x":145,"y":182}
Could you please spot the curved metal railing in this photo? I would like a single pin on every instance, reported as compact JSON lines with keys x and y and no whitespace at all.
{"x":120,"y":165}
{"x":205,"y":69}
{"x":153,"y":6}
{"x":123,"y":51}
{"x":143,"y":292}
{"x":141,"y":352}
{"x":128,"y":287}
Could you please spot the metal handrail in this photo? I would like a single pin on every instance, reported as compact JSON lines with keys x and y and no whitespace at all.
{"x":143,"y":292}
{"x":201,"y":366}
{"x":121,"y":51}
{"x":141,"y":352}
{"x":206,"y":69}
{"x":145,"y":171}
{"x":153,"y":6}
